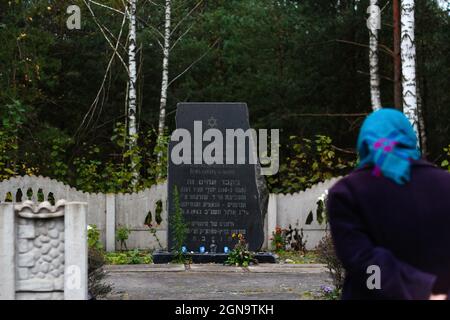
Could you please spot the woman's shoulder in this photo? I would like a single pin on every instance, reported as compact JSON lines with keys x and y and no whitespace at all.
{"x":362,"y":178}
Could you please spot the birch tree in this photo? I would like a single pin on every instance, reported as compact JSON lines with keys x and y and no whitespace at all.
{"x":167,"y":46}
{"x":165,"y":69}
{"x":132,"y":80}
{"x":408,"y":54}
{"x":373,"y":25}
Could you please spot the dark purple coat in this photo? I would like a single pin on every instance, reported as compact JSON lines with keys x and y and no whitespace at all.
{"x":405,"y":230}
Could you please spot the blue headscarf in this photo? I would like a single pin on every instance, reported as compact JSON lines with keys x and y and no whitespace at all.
{"x":387,"y":142}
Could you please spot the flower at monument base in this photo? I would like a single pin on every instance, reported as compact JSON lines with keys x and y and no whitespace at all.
{"x":327,"y":289}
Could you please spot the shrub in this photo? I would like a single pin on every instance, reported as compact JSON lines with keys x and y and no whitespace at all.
{"x":306,"y":162}
{"x":122,"y":234}
{"x":97,"y":287}
{"x":240,"y":255}
{"x":327,"y":255}
{"x":94,"y":237}
{"x":179,"y":229}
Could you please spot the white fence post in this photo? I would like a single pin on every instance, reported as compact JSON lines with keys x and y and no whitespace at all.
{"x":271,"y":218}
{"x":110,"y":222}
{"x":7,"y":252}
{"x":76,"y":251}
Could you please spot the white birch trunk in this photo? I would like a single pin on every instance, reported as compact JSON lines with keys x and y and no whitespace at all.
{"x":374,"y":25}
{"x":408,"y":54}
{"x":132,"y":76}
{"x":165,"y":70}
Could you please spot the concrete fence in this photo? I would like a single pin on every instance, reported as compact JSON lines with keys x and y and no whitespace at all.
{"x":111,"y":211}
{"x":298,"y":210}
{"x":107,"y":211}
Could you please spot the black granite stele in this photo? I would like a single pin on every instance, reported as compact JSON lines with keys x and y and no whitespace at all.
{"x":216,"y":200}
{"x":164,"y":257}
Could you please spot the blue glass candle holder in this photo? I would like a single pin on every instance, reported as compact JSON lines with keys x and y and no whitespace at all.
{"x":226,"y":250}
{"x":202,"y":249}
{"x":183,"y":249}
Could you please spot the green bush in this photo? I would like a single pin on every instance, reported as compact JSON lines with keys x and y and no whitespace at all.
{"x":94,"y":238}
{"x":122,"y":235}
{"x":307,"y":162}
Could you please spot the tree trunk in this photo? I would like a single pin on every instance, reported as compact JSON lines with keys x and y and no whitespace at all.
{"x":398,"y":99}
{"x":374,"y":25}
{"x":165,"y":75}
{"x":132,"y":80}
{"x":165,"y":71}
{"x":408,"y":54}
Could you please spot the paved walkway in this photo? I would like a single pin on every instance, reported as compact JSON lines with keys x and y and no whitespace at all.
{"x":197,"y":282}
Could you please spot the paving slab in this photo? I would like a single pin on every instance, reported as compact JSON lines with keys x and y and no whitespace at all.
{"x":216,"y":282}
{"x":214,"y":268}
{"x":287,"y":268}
{"x":145,"y":268}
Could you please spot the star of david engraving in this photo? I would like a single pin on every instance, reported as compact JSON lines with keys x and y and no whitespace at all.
{"x":212,"y":122}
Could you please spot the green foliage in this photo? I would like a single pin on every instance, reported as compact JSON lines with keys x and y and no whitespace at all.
{"x":116,"y":175}
{"x":446,"y":162}
{"x":13,"y":117}
{"x":94,"y":237}
{"x":297,"y":257}
{"x":178,"y":228}
{"x":122,"y":234}
{"x":129,"y":257}
{"x":240,"y":255}
{"x":307,"y":163}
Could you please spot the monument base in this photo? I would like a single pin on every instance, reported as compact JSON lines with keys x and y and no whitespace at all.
{"x":162,"y":257}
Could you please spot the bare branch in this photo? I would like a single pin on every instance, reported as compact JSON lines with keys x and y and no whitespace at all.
{"x":180,"y":37}
{"x":105,"y":6}
{"x":104,"y":34}
{"x":186,"y":16}
{"x":94,"y":104}
{"x":194,"y":63}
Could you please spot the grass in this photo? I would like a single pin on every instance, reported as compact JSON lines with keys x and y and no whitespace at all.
{"x":129,"y":257}
{"x":296,"y":257}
